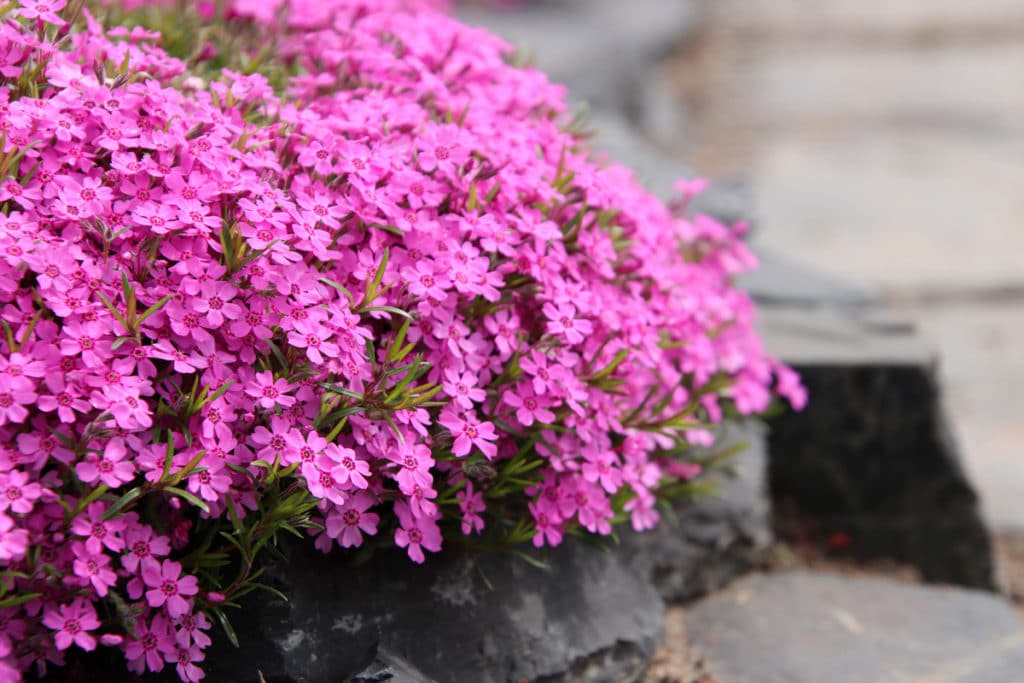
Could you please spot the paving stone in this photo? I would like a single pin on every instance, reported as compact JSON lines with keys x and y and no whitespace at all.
{"x":787,"y":17}
{"x":802,"y":627}
{"x":705,"y":544}
{"x":585,"y":619}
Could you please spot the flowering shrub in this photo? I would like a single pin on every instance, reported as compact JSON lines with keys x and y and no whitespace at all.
{"x":365,"y":284}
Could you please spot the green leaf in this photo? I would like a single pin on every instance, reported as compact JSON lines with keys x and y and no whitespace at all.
{"x":340,"y":287}
{"x":91,"y":498}
{"x":391,"y":309}
{"x":272,"y":590}
{"x":185,"y":495}
{"x":127,"y":499}
{"x":226,"y":625}
{"x":154,"y":308}
{"x":112,"y":309}
{"x":16,"y":600}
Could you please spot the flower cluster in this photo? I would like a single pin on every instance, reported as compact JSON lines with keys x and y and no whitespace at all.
{"x":372,"y":288}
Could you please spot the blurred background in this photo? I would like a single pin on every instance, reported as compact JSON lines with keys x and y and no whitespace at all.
{"x":880,"y":142}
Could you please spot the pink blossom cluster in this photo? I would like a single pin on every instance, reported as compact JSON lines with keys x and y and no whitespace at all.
{"x":400,"y":287}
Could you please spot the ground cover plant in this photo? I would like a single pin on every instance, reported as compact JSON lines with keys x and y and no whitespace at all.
{"x":339,"y":270}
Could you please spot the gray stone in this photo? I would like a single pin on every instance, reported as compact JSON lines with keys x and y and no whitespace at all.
{"x":727,"y":200}
{"x":800,"y":627}
{"x":777,"y":281}
{"x":707,"y":543}
{"x":389,"y":667}
{"x":599,"y":48}
{"x":872,"y":455}
{"x":617,"y":138}
{"x":496,"y":619}
{"x":834,"y":337}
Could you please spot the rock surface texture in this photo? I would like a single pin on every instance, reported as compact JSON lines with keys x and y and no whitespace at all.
{"x":707,"y":543}
{"x":584,"y":619}
{"x":800,"y":627}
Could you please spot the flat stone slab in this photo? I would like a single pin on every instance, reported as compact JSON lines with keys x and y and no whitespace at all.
{"x":584,"y":619}
{"x":802,"y":627}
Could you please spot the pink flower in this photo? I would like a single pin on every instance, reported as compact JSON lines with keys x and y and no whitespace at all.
{"x":168,"y":587}
{"x":349,"y":468}
{"x":529,"y":407}
{"x":548,"y":525}
{"x":144,"y":547}
{"x":462,"y":388}
{"x":562,"y":321}
{"x":72,"y":623}
{"x":98,"y":532}
{"x":416,"y":533}
{"x":13,"y":541}
{"x":415,"y":463}
{"x":313,"y":338}
{"x":349,"y":522}
{"x":150,"y":645}
{"x":93,"y":568}
{"x":471,"y":503}
{"x":215,"y":303}
{"x":602,"y":468}
{"x":468,"y":431}
{"x":185,"y":659}
{"x":111,"y":468}
{"x":270,"y":392}
{"x":43,"y":10}
{"x":18,"y":492}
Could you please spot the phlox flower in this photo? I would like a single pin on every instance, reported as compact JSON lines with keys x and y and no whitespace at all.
{"x":72,"y":623}
{"x":348,"y":469}
{"x":468,"y":431}
{"x":168,"y":587}
{"x":111,"y":467}
{"x":18,"y":492}
{"x":93,"y":568}
{"x":13,"y":540}
{"x":350,"y":521}
{"x":270,"y":393}
{"x":562,"y":321}
{"x":529,"y":407}
{"x":143,"y":547}
{"x":150,"y":645}
{"x":416,"y":533}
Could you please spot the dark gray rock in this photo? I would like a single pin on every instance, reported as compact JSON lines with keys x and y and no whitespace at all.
{"x":390,"y":668}
{"x":707,"y":543}
{"x":800,"y":627}
{"x":586,"y":618}
{"x":872,"y":455}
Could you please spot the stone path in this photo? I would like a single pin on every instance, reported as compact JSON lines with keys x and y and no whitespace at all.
{"x":802,"y":627}
{"x":884,"y":141}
